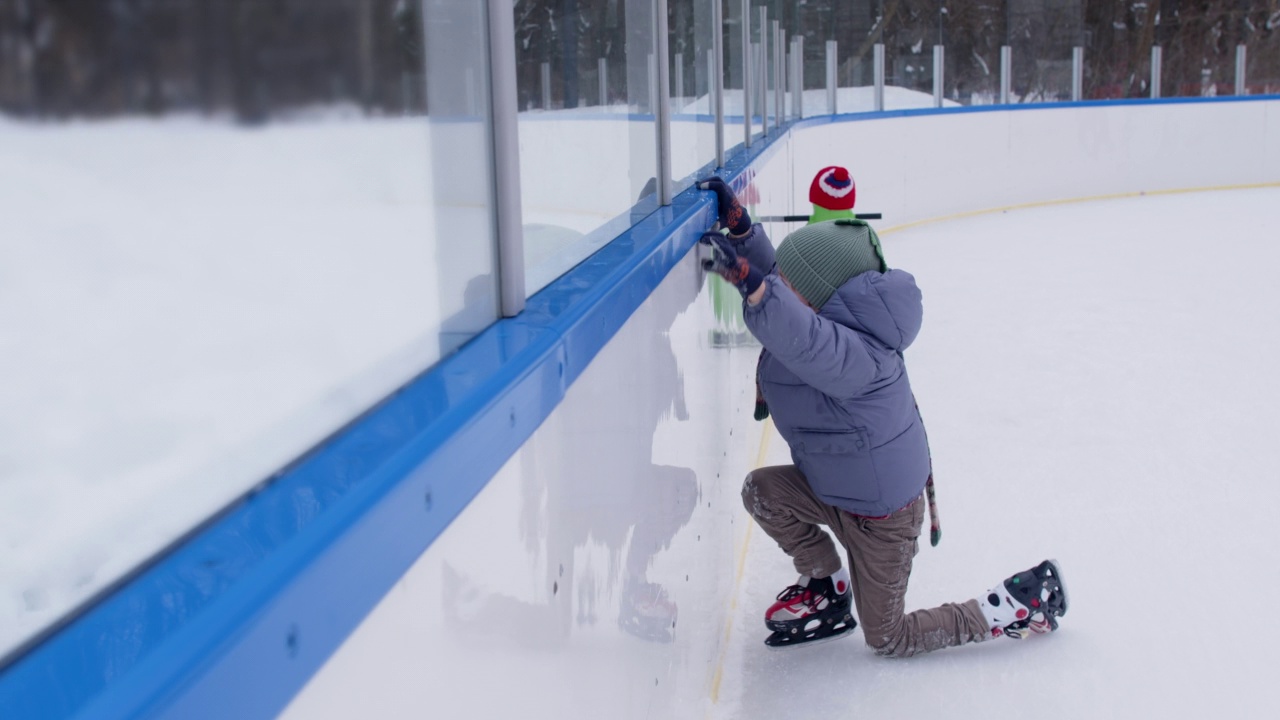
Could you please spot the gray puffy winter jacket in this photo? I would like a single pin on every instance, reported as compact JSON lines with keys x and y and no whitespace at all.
{"x":838,"y":391}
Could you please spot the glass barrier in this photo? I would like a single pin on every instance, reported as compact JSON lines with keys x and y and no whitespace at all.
{"x":735,"y":72}
{"x":228,"y":229}
{"x":587,"y":93}
{"x":693,"y":130}
{"x":856,"y":34}
{"x":1262,"y":65}
{"x":1041,"y":36}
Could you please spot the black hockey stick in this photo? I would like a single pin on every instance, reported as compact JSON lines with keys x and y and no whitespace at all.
{"x":805,"y":218}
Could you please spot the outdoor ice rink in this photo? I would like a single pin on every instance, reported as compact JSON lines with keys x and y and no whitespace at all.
{"x":1099,"y":384}
{"x":1097,"y":381}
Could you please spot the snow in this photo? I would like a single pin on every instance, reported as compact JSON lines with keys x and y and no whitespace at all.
{"x":1098,"y":383}
{"x":185,"y":307}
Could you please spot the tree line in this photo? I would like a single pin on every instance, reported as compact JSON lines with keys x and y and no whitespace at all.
{"x":256,"y":58}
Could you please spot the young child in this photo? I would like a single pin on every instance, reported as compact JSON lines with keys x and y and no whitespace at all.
{"x":834,"y":321}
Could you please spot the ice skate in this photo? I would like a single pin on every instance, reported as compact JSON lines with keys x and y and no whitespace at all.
{"x":808,"y":612}
{"x":1029,"y":602}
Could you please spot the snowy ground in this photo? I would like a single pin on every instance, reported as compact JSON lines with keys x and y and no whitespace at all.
{"x":1098,"y":382}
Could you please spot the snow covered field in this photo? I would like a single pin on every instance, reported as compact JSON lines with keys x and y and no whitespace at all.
{"x":1098,"y":383}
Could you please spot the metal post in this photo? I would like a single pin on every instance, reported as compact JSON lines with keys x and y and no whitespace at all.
{"x":1241,"y":67}
{"x":765,"y":29}
{"x":662,"y":51}
{"x":677,"y":65}
{"x":877,"y":69}
{"x":938,"y":70}
{"x":754,"y":108}
{"x":716,"y":81}
{"x":1077,"y":74}
{"x":652,"y":68}
{"x":787,"y":74}
{"x":746,"y":73}
{"x":505,"y":156}
{"x":546,"y":85}
{"x":1156,"y":55}
{"x":799,"y":55}
{"x":602,"y":67}
{"x":1006,"y":74}
{"x":779,"y":74}
{"x":832,"y":64}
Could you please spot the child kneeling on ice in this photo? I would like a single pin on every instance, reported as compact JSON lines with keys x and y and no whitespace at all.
{"x":834,"y":321}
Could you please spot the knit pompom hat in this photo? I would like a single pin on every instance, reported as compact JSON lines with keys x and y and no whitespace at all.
{"x":818,"y":258}
{"x":832,"y":189}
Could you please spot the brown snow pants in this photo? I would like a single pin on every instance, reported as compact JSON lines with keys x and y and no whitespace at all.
{"x":880,"y":555}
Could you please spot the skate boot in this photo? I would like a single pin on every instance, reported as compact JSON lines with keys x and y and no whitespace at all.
{"x":807,"y":612}
{"x":1031,"y":601}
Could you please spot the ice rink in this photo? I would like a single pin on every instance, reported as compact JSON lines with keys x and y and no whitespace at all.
{"x":1098,"y":380}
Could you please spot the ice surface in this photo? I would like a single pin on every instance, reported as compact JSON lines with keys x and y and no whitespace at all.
{"x":1099,"y":386}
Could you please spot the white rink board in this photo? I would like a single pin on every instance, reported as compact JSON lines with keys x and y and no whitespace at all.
{"x":916,"y":168}
{"x":634,"y":478}
{"x":626,"y":497}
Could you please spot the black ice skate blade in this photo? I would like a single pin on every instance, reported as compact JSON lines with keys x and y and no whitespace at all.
{"x":783,"y":641}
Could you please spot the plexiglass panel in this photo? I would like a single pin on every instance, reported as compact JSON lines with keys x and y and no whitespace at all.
{"x":587,"y":83}
{"x":1262,"y":65}
{"x":693,"y":130}
{"x":229,"y":227}
{"x":1041,"y":34}
{"x":741,"y":32}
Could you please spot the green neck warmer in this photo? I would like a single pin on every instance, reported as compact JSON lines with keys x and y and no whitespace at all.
{"x":821,"y":214}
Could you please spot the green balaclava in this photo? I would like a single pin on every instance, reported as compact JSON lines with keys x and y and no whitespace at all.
{"x":820,"y":257}
{"x":821,"y":214}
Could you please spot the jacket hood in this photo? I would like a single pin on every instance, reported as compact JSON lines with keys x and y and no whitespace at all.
{"x":886,"y":306}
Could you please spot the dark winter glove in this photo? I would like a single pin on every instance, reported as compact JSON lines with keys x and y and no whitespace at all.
{"x":732,"y":215}
{"x":757,"y":249}
{"x":726,"y":262}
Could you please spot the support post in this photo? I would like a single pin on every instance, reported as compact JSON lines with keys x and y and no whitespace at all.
{"x":602,"y":68}
{"x":504,"y":154}
{"x":1156,"y":56}
{"x":779,"y":74}
{"x":832,"y":64}
{"x":546,"y":85}
{"x":678,"y":80}
{"x":765,"y":30}
{"x":1006,"y":74}
{"x":939,"y":67}
{"x":877,"y":70}
{"x":798,"y":53}
{"x":1241,"y":67}
{"x":1077,"y":74}
{"x":715,"y":84}
{"x":662,"y":51}
{"x":746,"y":73}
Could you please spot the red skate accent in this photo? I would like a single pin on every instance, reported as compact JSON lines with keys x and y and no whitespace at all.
{"x":841,"y":588}
{"x":1022,"y":614}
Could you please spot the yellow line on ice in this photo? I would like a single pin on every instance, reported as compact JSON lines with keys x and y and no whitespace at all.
{"x":1069,"y":201}
{"x":737,"y":579}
